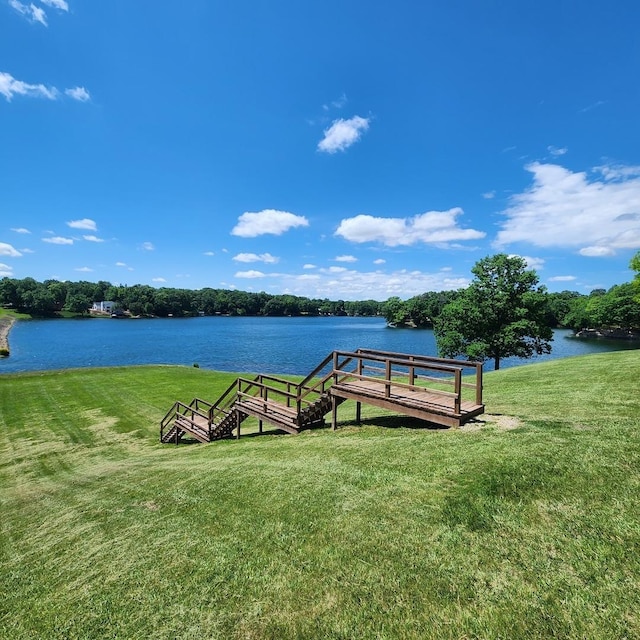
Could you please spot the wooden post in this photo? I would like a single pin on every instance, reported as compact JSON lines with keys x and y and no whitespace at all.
{"x":238,"y":421}
{"x":412,"y":372}
{"x":260,"y":426}
{"x":458,"y":390}
{"x":334,"y":412}
{"x":479,"y":383}
{"x":358,"y":412}
{"x":387,"y":373}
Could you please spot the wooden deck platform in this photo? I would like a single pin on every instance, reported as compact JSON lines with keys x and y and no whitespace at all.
{"x":418,"y":403}
{"x":437,"y":390}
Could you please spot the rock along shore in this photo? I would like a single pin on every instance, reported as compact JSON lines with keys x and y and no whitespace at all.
{"x":6,"y":322}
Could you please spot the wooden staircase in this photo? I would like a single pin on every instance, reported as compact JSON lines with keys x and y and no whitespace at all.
{"x":410,"y":384}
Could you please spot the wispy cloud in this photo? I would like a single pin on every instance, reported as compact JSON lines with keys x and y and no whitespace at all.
{"x":595,"y":105}
{"x":56,"y":4}
{"x":562,"y":279}
{"x":84,"y":269}
{"x":249,"y":274}
{"x":9,"y":250}
{"x":432,"y":227}
{"x":593,"y":212}
{"x":158,"y":280}
{"x":58,"y":240}
{"x":346,"y":259}
{"x":489,"y":195}
{"x":10,"y":87}
{"x":253,"y":257}
{"x":342,"y":134}
{"x":209,"y":253}
{"x":78,"y":93}
{"x":92,"y":238}
{"x":148,"y":246}
{"x":268,"y":221}
{"x":85,"y":223}
{"x":30,"y":11}
{"x":20,"y":230}
{"x":557,"y":151}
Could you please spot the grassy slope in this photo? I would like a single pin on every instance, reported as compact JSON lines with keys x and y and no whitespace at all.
{"x":379,"y":531}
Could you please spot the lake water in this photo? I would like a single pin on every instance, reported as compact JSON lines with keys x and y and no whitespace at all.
{"x":248,"y":345}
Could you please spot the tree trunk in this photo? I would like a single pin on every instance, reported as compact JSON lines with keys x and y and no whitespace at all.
{"x":496,"y":362}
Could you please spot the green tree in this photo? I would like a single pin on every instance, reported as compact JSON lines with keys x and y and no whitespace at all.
{"x":635,"y":266}
{"x":500,"y":314}
{"x":78,"y":303}
{"x":395,"y":312}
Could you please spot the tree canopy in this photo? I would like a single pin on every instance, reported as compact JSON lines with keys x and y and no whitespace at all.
{"x":500,"y":314}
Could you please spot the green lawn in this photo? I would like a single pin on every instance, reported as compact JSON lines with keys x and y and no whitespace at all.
{"x":385,"y":530}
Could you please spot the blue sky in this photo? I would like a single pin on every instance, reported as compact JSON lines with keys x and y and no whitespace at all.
{"x":347,"y":150}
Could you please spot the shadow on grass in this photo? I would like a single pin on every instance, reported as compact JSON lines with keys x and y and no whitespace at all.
{"x":395,"y":422}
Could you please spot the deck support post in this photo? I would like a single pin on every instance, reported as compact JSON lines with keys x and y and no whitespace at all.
{"x":260,"y":426}
{"x":334,"y":412}
{"x":238,"y":421}
{"x":358,"y":412}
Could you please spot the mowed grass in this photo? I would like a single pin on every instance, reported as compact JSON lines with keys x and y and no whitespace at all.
{"x":385,"y":530}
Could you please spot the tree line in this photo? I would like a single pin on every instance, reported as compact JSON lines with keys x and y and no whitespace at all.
{"x":53,"y":297}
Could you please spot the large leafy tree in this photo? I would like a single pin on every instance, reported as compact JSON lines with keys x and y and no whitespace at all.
{"x":500,"y":314}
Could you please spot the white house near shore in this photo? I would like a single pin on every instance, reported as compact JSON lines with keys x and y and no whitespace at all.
{"x":104,"y":307}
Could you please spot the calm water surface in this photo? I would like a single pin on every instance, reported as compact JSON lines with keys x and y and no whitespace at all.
{"x":258,"y":345}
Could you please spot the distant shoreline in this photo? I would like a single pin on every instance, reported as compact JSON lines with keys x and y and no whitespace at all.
{"x":6,"y":322}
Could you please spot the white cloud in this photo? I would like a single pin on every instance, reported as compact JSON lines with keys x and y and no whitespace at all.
{"x":5,"y":271}
{"x":158,"y":280}
{"x":349,"y":284}
{"x":432,"y":227}
{"x":84,"y":269}
{"x":596,"y":212}
{"x":489,"y":195}
{"x":92,"y":238}
{"x":346,"y":259}
{"x":58,"y":240}
{"x":380,"y":261}
{"x":27,"y":250}
{"x":253,"y":224}
{"x":20,"y":230}
{"x":253,"y":257}
{"x":532,"y":263}
{"x":148,"y":246}
{"x":556,"y":152}
{"x":31,"y":11}
{"x":309,"y":266}
{"x":8,"y":250}
{"x":209,"y":253}
{"x":85,"y":223}
{"x":78,"y":93}
{"x":250,"y":274}
{"x":597,"y":252}
{"x":342,"y":134}
{"x":121,"y":264}
{"x":10,"y":87}
{"x":56,"y":4}
{"x":562,"y":279}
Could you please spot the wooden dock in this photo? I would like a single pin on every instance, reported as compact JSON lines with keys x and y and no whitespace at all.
{"x":436,"y":390}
